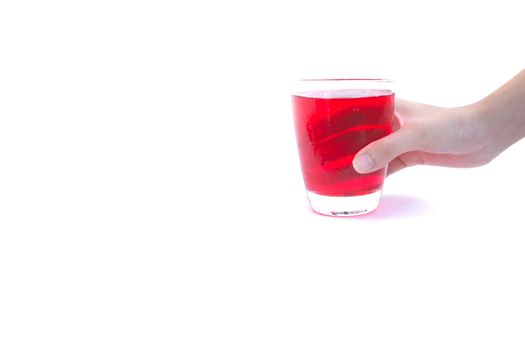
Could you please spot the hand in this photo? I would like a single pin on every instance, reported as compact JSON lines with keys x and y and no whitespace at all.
{"x":424,"y":134}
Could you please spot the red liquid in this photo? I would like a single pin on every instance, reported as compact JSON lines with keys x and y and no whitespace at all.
{"x":330,"y":131}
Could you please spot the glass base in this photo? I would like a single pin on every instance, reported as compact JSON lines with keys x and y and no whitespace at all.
{"x":344,"y":206}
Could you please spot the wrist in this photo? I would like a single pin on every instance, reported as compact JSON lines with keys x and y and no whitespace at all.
{"x":501,"y":125}
{"x":477,"y":124}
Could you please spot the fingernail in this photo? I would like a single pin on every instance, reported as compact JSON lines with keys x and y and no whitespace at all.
{"x":363,"y":163}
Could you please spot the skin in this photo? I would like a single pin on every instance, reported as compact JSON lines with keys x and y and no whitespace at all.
{"x":466,"y":136}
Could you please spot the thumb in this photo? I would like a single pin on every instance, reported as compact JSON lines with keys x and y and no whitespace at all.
{"x":379,"y":153}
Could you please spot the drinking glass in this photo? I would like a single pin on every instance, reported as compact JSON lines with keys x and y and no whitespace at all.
{"x":334,"y":119}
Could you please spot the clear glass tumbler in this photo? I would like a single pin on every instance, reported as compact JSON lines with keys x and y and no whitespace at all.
{"x":334,"y":119}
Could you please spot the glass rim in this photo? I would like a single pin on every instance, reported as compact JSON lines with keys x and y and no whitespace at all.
{"x":324,"y":88}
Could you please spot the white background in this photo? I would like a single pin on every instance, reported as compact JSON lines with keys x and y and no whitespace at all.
{"x":151,"y":196}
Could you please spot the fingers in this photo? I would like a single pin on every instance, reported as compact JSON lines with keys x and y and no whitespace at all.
{"x":406,"y":138}
{"x":381,"y":152}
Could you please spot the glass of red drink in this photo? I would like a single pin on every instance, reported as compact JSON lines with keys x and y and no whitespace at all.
{"x":334,"y":119}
